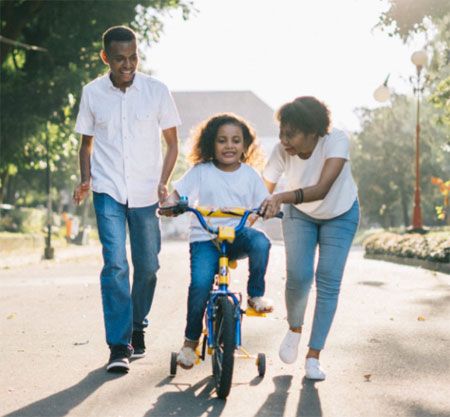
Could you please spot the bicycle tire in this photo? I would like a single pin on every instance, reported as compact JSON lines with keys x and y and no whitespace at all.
{"x":224,"y":346}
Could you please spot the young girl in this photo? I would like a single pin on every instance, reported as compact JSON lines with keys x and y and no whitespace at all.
{"x":220,"y":177}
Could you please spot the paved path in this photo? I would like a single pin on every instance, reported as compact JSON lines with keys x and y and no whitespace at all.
{"x":387,"y":355}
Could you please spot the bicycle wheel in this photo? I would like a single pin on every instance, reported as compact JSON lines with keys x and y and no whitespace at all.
{"x":224,"y":345}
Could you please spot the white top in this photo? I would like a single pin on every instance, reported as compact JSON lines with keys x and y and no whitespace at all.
{"x":206,"y":185}
{"x":302,"y":173}
{"x":126,"y":161}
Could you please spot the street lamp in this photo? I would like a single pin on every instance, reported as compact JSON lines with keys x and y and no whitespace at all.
{"x":382,"y":94}
{"x":419,"y":59}
{"x":49,"y":251}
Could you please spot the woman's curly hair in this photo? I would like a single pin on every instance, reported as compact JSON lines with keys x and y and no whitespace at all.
{"x":204,"y":139}
{"x":306,"y":114}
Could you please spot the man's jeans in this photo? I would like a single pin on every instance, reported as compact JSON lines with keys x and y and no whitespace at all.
{"x":204,"y":265}
{"x":302,"y":235}
{"x":124,"y":311}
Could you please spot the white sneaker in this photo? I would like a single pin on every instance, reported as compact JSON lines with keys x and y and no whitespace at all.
{"x":186,"y":357}
{"x":289,"y":347}
{"x":313,"y":369}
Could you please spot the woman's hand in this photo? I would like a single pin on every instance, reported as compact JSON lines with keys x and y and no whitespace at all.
{"x":270,"y":207}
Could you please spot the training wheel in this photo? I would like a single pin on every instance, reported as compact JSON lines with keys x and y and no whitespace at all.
{"x":261,"y":364}
{"x":173,"y":363}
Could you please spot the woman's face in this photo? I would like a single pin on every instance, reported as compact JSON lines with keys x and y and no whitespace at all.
{"x":229,"y":147}
{"x":296,"y":142}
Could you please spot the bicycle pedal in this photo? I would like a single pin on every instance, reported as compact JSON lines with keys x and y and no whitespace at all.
{"x":250,"y":311}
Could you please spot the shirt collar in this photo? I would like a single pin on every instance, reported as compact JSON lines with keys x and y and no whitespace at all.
{"x":137,"y":81}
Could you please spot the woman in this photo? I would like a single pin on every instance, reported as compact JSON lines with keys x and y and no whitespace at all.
{"x":321,"y":210}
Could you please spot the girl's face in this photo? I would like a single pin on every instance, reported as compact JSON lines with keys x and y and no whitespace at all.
{"x":296,"y":142}
{"x":229,"y":147}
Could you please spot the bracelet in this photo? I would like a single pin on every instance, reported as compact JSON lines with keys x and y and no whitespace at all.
{"x":298,"y":196}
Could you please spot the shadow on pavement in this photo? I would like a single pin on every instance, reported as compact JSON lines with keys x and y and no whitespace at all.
{"x":193,"y":401}
{"x":309,"y":404}
{"x":60,"y":404}
{"x":276,"y":401}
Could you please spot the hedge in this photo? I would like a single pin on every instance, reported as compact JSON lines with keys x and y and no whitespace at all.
{"x":433,"y":247}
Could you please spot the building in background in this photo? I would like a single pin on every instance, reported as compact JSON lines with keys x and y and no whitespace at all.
{"x":197,"y":106}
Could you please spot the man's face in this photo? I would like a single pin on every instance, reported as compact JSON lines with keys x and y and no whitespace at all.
{"x":122,"y":58}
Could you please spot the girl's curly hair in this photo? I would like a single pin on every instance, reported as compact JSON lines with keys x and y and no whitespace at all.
{"x":204,"y":138}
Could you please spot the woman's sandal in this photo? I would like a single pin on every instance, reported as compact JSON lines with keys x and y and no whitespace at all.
{"x":260,"y":304}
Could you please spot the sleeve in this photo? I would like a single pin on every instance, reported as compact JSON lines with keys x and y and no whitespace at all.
{"x":275,"y":166}
{"x":337,"y":146}
{"x":168,"y":116}
{"x":85,"y":119}
{"x":188,"y":184}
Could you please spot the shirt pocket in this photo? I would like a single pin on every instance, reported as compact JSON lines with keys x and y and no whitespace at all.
{"x":102,"y":121}
{"x":145,"y":118}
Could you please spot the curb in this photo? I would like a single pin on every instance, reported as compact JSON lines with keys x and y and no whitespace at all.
{"x":443,"y":267}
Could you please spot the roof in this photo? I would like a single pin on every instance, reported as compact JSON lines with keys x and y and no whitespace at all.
{"x":197,"y":106}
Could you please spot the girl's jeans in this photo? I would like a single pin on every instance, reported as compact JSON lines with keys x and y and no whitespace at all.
{"x":333,"y":237}
{"x":125,"y":310}
{"x":204,"y":265}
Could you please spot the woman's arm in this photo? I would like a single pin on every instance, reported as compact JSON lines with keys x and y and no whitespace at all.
{"x":330,"y":171}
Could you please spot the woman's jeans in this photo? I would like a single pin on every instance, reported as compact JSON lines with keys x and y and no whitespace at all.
{"x":125,"y":311}
{"x":302,"y":234}
{"x":205,"y":264}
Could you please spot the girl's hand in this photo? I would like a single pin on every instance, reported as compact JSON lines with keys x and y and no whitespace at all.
{"x":271,"y":206}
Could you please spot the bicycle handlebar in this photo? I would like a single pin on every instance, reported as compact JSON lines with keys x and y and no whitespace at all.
{"x":202,"y":212}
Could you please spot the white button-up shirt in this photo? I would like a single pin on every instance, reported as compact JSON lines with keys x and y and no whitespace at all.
{"x":126,"y":161}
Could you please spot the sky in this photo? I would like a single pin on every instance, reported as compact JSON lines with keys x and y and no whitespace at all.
{"x":282,"y":49}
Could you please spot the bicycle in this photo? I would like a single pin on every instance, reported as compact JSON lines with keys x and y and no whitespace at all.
{"x":222,"y":335}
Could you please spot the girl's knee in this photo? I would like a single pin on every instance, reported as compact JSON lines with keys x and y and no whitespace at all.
{"x":261,"y":243}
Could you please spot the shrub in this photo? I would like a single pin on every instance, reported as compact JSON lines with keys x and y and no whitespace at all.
{"x":433,"y":246}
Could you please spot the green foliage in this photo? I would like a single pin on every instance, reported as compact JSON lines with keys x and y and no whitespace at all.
{"x":404,"y":17}
{"x":23,"y":219}
{"x":40,"y":89}
{"x":383,"y":162}
{"x":433,"y":247}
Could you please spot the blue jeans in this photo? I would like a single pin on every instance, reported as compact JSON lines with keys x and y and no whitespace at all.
{"x":302,"y":235}
{"x":250,"y":243}
{"x":125,"y":310}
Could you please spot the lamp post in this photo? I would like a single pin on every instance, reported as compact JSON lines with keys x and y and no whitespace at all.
{"x":49,"y":252}
{"x":382,"y":94}
{"x":419,"y":59}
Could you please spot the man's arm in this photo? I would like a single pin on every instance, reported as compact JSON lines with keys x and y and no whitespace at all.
{"x":171,"y":138}
{"x":82,"y":190}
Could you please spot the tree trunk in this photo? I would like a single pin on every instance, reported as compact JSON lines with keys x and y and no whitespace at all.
{"x":4,"y":185}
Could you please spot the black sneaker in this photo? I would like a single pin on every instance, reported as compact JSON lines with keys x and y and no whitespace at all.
{"x":118,"y":359}
{"x":138,"y":343}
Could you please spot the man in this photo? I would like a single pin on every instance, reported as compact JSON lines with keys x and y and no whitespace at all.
{"x":120,"y":117}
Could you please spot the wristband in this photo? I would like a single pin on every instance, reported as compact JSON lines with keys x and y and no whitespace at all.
{"x":298,"y":196}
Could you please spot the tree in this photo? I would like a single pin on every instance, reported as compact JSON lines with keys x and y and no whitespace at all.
{"x":404,"y":19}
{"x":382,"y":162}
{"x":39,"y":89}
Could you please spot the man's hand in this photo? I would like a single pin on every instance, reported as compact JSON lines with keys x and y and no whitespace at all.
{"x":81,"y":192}
{"x":163,"y":192}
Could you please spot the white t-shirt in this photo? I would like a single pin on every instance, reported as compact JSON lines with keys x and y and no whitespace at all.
{"x":206,"y":185}
{"x":302,"y":173}
{"x":126,"y":161}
